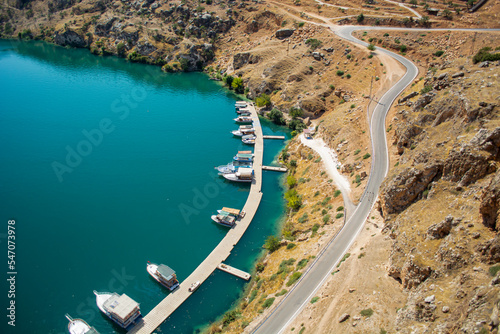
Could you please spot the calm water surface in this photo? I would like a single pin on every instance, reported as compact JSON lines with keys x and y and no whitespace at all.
{"x":106,"y":165}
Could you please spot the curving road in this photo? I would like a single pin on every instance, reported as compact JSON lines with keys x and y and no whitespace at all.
{"x":326,"y":261}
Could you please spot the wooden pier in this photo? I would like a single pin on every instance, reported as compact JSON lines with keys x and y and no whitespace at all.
{"x":274,"y":137}
{"x":275,"y":168}
{"x":220,"y":253}
{"x":233,"y":271}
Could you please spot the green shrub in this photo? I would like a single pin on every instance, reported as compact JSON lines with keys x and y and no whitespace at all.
{"x":426,"y":89}
{"x":263,"y":100}
{"x":301,"y":24}
{"x":326,"y":218}
{"x":439,"y":53}
{"x":276,"y":116}
{"x":339,"y":215}
{"x":253,"y":294}
{"x":340,"y":208}
{"x":272,"y":243}
{"x":371,"y":47}
{"x":494,"y":269}
{"x":403,"y":48}
{"x":230,"y":316}
{"x":313,"y":43}
{"x":291,"y":181}
{"x":484,"y":55}
{"x":357,"y":151}
{"x":304,"y":218}
{"x":268,"y":302}
{"x":302,"y":263}
{"x":340,"y":73}
{"x":337,"y":193}
{"x":315,"y":228}
{"x":366,"y":156}
{"x":290,"y":245}
{"x":296,"y":112}
{"x":345,"y":257}
{"x":360,"y":18}
{"x":314,"y":300}
{"x":294,"y":278}
{"x":259,"y":267}
{"x":237,"y":85}
{"x":120,"y":48}
{"x":281,"y":293}
{"x":348,"y":76}
{"x":367,"y":312}
{"x":293,"y":200}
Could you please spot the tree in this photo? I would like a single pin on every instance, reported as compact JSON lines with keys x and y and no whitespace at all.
{"x":276,"y":116}
{"x":237,"y":85}
{"x":360,"y":18}
{"x":120,"y":49}
{"x":403,"y":48}
{"x":413,"y":2}
{"x":263,"y":100}
{"x":228,"y":80}
{"x":371,"y":47}
{"x":272,"y":243}
{"x":296,"y":112}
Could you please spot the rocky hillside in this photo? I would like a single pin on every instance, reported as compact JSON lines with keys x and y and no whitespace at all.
{"x":440,"y":201}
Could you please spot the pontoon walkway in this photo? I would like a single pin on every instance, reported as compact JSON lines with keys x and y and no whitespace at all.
{"x":170,"y":303}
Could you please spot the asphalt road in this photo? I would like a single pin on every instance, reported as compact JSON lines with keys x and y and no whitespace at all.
{"x":325,"y":262}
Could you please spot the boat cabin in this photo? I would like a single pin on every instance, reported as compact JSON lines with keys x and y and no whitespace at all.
{"x":244,"y":173}
{"x":167,"y":276}
{"x":244,"y":157}
{"x":226,"y":218}
{"x":122,"y":309}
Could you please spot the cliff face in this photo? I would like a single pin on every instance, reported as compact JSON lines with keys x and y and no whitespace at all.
{"x":440,"y":202}
{"x":177,"y":36}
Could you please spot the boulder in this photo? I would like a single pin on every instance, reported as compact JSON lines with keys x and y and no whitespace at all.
{"x":441,"y":229}
{"x":344,"y":317}
{"x":284,"y":33}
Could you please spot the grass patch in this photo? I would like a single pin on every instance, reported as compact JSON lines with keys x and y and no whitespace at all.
{"x":367,"y":312}
{"x":346,"y":256}
{"x":281,"y":293}
{"x":304,"y":218}
{"x":302,"y":263}
{"x":294,"y":278}
{"x":494,"y":269}
{"x":268,"y":302}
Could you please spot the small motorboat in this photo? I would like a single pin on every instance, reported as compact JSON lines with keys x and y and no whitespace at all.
{"x":194,"y":286}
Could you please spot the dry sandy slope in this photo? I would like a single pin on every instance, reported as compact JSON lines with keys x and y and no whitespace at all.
{"x":330,"y":161}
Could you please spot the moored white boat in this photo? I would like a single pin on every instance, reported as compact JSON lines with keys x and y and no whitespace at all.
{"x":224,"y":218}
{"x":243,"y":157}
{"x":248,"y":139}
{"x":194,"y":286}
{"x":123,"y":310}
{"x":79,"y":326}
{"x":243,"y":119}
{"x":164,"y":275}
{"x":242,"y":175}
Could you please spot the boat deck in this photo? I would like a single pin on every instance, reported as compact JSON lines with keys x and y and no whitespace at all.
{"x":220,"y":253}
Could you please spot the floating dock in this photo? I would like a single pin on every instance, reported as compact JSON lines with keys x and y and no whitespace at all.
{"x":233,"y":271}
{"x":274,"y":137}
{"x":275,"y":168}
{"x":220,"y":253}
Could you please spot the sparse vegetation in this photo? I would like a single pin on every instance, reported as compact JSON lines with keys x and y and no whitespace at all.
{"x":484,"y":54}
{"x":367,"y":312}
{"x":294,"y":278}
{"x":313,"y":43}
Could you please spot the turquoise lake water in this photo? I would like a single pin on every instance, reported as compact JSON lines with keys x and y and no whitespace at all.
{"x":106,"y":165}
